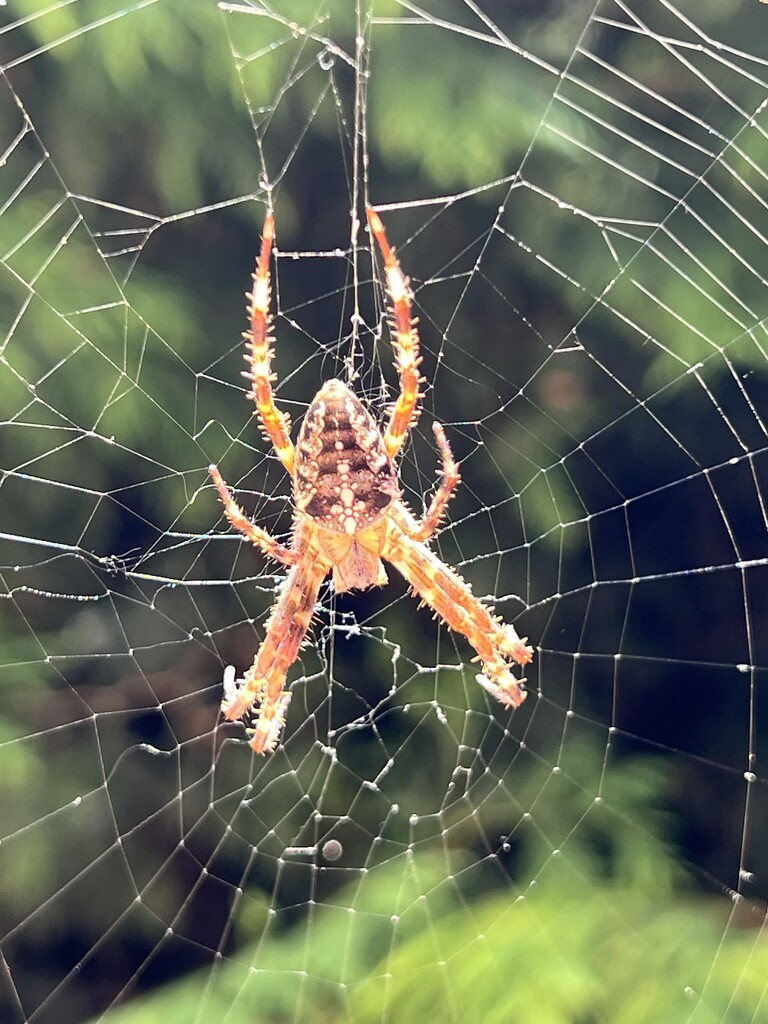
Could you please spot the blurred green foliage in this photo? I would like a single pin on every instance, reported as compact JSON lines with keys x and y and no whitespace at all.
{"x":610,"y":931}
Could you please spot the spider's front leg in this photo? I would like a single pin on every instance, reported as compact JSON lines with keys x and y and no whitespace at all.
{"x":260,"y":352}
{"x":405,"y":338}
{"x":496,"y":642}
{"x":262,"y":687}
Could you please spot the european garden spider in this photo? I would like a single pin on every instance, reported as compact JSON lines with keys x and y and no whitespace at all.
{"x":349,"y":514}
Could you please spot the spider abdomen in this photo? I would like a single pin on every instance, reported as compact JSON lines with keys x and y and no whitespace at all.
{"x":345,"y":481}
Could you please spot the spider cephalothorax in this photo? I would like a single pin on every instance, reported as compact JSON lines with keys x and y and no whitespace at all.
{"x":349,"y":515}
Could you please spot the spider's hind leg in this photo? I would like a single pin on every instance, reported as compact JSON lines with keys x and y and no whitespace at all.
{"x":496,"y":642}
{"x":262,"y":689}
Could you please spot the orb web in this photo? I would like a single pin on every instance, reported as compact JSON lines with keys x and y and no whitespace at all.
{"x":578,"y":195}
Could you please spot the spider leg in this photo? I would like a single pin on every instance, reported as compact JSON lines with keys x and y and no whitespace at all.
{"x":422,"y":530}
{"x":260,"y":351}
{"x":496,"y":642}
{"x":405,"y":339}
{"x":262,"y":687}
{"x":241,"y":522}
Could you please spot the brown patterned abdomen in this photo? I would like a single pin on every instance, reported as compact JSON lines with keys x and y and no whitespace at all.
{"x":345,"y":480}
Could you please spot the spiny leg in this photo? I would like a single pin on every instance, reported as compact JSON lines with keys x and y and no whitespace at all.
{"x":422,"y":530}
{"x":241,"y":522}
{"x":496,"y":642}
{"x":405,"y":339}
{"x":260,"y":352}
{"x":262,"y":687}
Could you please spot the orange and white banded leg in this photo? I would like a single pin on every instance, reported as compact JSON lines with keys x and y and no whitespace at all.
{"x":260,"y":351}
{"x":241,"y":522}
{"x":261,"y":690}
{"x":496,"y":642}
{"x":423,"y":529}
{"x":405,"y":338}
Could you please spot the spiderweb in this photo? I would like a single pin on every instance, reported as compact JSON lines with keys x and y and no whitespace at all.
{"x":578,"y":192}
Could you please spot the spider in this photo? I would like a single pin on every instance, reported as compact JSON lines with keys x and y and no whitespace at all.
{"x":349,"y":514}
